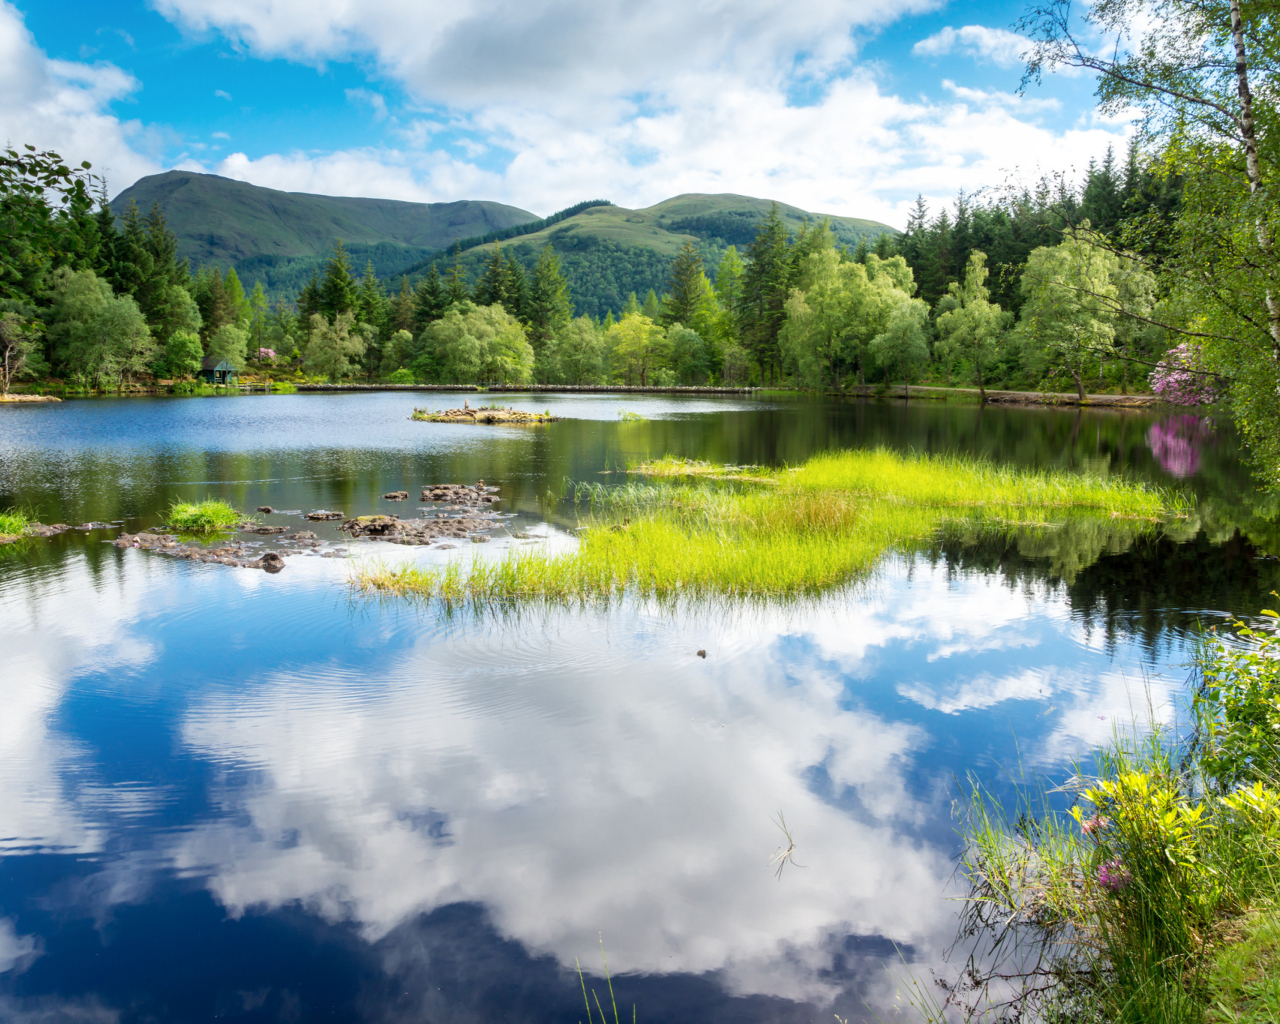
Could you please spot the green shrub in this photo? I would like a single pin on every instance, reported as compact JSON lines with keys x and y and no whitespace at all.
{"x":13,"y":522}
{"x":402,"y":376}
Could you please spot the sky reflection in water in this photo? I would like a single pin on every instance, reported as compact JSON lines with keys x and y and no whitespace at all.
{"x":231,"y":795}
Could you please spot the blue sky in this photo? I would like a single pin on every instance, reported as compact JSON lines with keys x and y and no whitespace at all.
{"x":839,"y":106}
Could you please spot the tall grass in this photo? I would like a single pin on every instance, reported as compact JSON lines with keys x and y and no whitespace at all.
{"x":206,"y":516}
{"x":13,"y":522}
{"x":819,"y":526}
{"x":1130,"y":908}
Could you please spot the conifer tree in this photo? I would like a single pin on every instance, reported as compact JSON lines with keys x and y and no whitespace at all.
{"x":133,"y":264}
{"x":309,"y":300}
{"x":491,"y":289}
{"x":456,"y":280}
{"x":765,"y":286}
{"x":652,"y":307}
{"x":631,"y":305}
{"x":338,"y":291}
{"x":515,"y":299}
{"x":685,"y":288}
{"x":430,"y":301}
{"x":549,"y":307}
{"x":402,"y":306}
{"x":371,"y":306}
{"x":237,"y":301}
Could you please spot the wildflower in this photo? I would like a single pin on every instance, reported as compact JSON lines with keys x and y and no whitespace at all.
{"x":1113,"y":875}
{"x":1095,"y":824}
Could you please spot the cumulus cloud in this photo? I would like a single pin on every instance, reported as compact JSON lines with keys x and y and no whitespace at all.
{"x":63,"y":105}
{"x":996,"y":45}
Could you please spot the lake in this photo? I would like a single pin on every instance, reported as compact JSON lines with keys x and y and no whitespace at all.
{"x":229,"y":795}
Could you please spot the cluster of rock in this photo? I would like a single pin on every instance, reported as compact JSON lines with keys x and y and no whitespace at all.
{"x":481,"y":414}
{"x":227,"y":554}
{"x":419,"y":531}
{"x":53,"y":529}
{"x":460,"y":495}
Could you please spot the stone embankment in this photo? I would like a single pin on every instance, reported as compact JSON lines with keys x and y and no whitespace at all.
{"x":16,"y":399}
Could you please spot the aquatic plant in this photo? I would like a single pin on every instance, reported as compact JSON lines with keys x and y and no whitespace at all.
{"x":205,"y":516}
{"x":13,"y":522}
{"x":1155,"y":899}
{"x":803,"y":532}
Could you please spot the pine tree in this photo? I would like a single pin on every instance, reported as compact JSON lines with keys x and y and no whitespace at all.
{"x":133,"y":264}
{"x":549,"y":307}
{"x":402,"y":306}
{"x":309,"y":300}
{"x":515,"y":299}
{"x":237,"y":301}
{"x":430,"y":301}
{"x":338,"y":291}
{"x":491,"y":289}
{"x":631,"y":305}
{"x":764,"y":291}
{"x":652,"y":307}
{"x":258,"y":319}
{"x":684,"y":286}
{"x":456,"y":280}
{"x":105,"y":264}
{"x":371,"y":305}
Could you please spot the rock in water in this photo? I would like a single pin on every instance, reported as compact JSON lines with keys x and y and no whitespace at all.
{"x":397,"y":496}
{"x":271,"y":561}
{"x":266,"y":508}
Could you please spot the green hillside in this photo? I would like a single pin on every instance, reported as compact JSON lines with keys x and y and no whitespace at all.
{"x":721,"y":220}
{"x":281,"y":237}
{"x":607,"y":252}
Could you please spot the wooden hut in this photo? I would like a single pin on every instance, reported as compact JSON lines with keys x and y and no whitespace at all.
{"x":217,"y":371}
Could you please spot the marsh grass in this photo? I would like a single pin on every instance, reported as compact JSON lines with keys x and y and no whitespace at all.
{"x":709,"y":530}
{"x":14,"y":522}
{"x":206,"y":516}
{"x":1155,"y":899}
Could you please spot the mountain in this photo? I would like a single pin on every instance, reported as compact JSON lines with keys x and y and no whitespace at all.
{"x":607,"y":252}
{"x":285,"y":235}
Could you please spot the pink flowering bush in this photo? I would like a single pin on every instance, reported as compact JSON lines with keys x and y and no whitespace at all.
{"x":1177,"y":381}
{"x":1177,"y":441}
{"x":266,"y":355}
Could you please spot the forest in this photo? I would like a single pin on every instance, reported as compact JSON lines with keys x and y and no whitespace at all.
{"x":1152,"y":271}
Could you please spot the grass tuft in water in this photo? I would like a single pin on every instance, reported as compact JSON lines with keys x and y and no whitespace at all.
{"x":816,"y":527}
{"x":206,"y":516}
{"x":13,"y":522}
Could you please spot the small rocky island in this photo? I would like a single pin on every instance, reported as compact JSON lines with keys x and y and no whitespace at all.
{"x":481,"y":414}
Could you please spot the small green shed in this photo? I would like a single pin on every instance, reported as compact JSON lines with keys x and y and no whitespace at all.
{"x":217,"y":371}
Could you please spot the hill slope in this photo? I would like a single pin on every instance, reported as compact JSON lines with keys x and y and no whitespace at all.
{"x":721,"y":220}
{"x":223,"y":221}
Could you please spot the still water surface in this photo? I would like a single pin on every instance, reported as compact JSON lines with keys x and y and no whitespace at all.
{"x":226,"y":795}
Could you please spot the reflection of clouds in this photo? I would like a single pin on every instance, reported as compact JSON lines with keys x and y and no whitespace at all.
{"x":16,"y":951}
{"x":570,"y":799}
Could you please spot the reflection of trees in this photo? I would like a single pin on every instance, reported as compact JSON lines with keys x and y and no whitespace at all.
{"x":1125,"y":581}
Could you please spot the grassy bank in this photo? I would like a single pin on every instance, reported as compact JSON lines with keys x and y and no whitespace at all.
{"x":707,"y":530}
{"x":206,"y":516}
{"x":1157,"y":897}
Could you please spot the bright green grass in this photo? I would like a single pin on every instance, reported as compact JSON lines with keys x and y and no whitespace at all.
{"x":13,"y":522}
{"x":808,"y":530}
{"x":205,"y":516}
{"x":1245,"y":977}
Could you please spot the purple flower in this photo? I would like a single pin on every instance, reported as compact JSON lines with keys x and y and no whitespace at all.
{"x":1113,"y":875}
{"x":1176,"y":381}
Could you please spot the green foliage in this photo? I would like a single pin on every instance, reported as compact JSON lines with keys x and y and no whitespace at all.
{"x":1237,"y":710}
{"x":550,"y":307}
{"x":94,"y":334}
{"x":206,"y":516}
{"x":332,"y":346}
{"x":19,"y":349}
{"x":338,"y":291}
{"x":183,"y":354}
{"x":903,"y":345}
{"x":229,"y":343}
{"x":637,"y":347}
{"x":972,"y":326}
{"x":1130,"y":910}
{"x":401,"y":376}
{"x":472,"y":344}
{"x":575,"y":354}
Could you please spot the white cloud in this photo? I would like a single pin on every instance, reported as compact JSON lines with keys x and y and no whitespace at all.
{"x":996,"y":45}
{"x":220,"y":135}
{"x":374,"y":100}
{"x":222,"y":94}
{"x":63,"y":105}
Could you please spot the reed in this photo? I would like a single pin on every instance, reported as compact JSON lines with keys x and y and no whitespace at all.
{"x":206,"y":516}
{"x":705,"y":530}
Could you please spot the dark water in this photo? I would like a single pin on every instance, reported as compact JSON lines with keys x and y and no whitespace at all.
{"x":226,"y":795}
